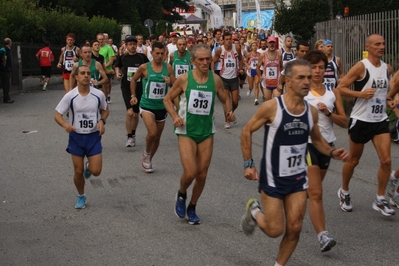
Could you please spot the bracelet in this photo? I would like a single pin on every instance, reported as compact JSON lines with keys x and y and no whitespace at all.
{"x":133,"y":95}
{"x":249,"y":163}
{"x":331,"y":153}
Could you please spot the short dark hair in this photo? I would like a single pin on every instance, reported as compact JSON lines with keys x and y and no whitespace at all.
{"x":226,"y":33}
{"x":158,"y":45}
{"x":303,"y":43}
{"x":215,"y":31}
{"x":315,"y":56}
{"x":46,"y":43}
{"x":293,"y":63}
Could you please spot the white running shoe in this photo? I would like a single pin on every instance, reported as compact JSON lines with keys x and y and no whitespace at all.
{"x":249,"y":93}
{"x":345,"y":201}
{"x":383,"y":207}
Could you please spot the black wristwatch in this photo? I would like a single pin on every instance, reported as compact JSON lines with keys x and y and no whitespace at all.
{"x":104,"y":121}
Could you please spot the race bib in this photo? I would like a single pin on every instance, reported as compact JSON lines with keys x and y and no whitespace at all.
{"x":254,"y":64}
{"x":330,"y":82}
{"x":130,"y":73}
{"x":200,"y":102}
{"x":230,"y":63}
{"x":271,"y":72}
{"x":157,"y":90}
{"x":69,"y":65}
{"x":180,"y":70}
{"x":292,"y":159}
{"x":85,"y":123}
{"x":376,"y":108}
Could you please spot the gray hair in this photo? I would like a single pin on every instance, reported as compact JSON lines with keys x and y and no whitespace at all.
{"x":199,"y":46}
{"x":7,"y":41}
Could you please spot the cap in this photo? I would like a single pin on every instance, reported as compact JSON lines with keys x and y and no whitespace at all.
{"x":271,"y":39}
{"x":190,"y":40}
{"x":131,"y":39}
{"x":327,"y":42}
{"x":174,"y":34}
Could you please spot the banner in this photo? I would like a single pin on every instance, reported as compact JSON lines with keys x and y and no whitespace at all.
{"x":214,"y":11}
{"x":258,"y":18}
{"x":250,"y":20}
{"x":239,"y":13}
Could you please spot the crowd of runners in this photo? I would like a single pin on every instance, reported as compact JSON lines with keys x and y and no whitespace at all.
{"x":302,"y":90}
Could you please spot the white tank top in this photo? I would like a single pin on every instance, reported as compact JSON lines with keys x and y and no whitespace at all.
{"x":372,"y":110}
{"x":229,"y":60}
{"x":325,"y":123}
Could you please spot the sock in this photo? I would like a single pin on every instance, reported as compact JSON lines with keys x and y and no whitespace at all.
{"x":345,"y":192}
{"x":379,"y":198}
{"x":277,"y":264}
{"x":45,"y":84}
{"x":392,"y":176}
{"x":129,"y":135}
{"x":320,"y":234}
{"x":254,"y":212}
{"x":395,"y":194}
{"x":133,"y":132}
{"x":181,"y":195}
{"x":191,"y":206}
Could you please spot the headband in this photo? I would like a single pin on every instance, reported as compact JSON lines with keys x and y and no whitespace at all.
{"x":326,"y":42}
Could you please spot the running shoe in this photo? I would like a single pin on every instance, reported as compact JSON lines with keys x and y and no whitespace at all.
{"x":326,"y":242}
{"x":392,"y":185}
{"x":44,"y":87}
{"x":192,"y":217}
{"x":394,"y":201}
{"x":345,"y":201}
{"x":146,"y":163}
{"x":131,"y":142}
{"x":383,"y":207}
{"x":180,"y":206}
{"x":249,"y":93}
{"x":227,"y":125}
{"x":86,"y":172}
{"x":41,"y":82}
{"x":256,"y":102}
{"x":108,"y":99}
{"x":248,"y":223}
{"x":81,"y":203}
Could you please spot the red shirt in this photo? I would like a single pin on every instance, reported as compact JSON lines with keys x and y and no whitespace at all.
{"x":46,"y":56}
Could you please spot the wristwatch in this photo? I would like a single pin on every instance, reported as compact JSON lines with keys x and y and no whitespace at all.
{"x":104,"y":121}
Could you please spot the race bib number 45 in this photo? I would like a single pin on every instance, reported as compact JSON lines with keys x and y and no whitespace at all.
{"x":200,"y":102}
{"x":292,"y":159}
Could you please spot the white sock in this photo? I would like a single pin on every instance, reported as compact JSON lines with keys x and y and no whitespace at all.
{"x":45,"y":84}
{"x":254,"y":212}
{"x":345,"y":192}
{"x":392,"y":176}
{"x":277,"y":264}
{"x":320,"y":234}
{"x":379,"y":198}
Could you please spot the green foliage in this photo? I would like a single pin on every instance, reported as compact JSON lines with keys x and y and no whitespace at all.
{"x":27,"y":22}
{"x":300,"y":17}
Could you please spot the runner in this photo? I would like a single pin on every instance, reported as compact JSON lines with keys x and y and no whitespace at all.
{"x":126,"y":66}
{"x":69,"y":55}
{"x":85,"y":128}
{"x":328,"y":103}
{"x":252,"y":63}
{"x":231,"y":61}
{"x":180,"y":59}
{"x":289,"y":121}
{"x":334,"y":71}
{"x":157,"y":76}
{"x":287,"y":53}
{"x":368,"y":120}
{"x":195,"y":126}
{"x":109,"y":57}
{"x":46,"y":58}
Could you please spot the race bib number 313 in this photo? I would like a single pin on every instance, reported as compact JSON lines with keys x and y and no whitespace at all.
{"x":200,"y":102}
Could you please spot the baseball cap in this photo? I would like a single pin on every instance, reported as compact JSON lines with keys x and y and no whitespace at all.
{"x":131,"y":39}
{"x":271,"y":39}
{"x":174,"y":34}
{"x":190,"y":40}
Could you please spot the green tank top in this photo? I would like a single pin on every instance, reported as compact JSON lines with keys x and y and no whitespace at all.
{"x":196,"y":107}
{"x":181,"y":65}
{"x":154,"y":88}
{"x":94,"y":73}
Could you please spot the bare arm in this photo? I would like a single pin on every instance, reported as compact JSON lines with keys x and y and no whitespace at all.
{"x":60,"y":121}
{"x":72,"y":76}
{"x":340,"y":69}
{"x":265,"y":114}
{"x":321,"y":144}
{"x":394,"y":85}
{"x":61,"y":58}
{"x":357,"y":72}
{"x":141,"y":72}
{"x":102,"y":72}
{"x":258,"y":72}
{"x":216,"y":58}
{"x":178,"y":88}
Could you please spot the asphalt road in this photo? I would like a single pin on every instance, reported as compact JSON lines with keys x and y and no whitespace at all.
{"x":129,"y":218}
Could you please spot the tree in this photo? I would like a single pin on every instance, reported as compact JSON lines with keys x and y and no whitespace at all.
{"x":300,"y":17}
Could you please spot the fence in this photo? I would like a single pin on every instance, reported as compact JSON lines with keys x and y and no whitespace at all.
{"x":349,"y":36}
